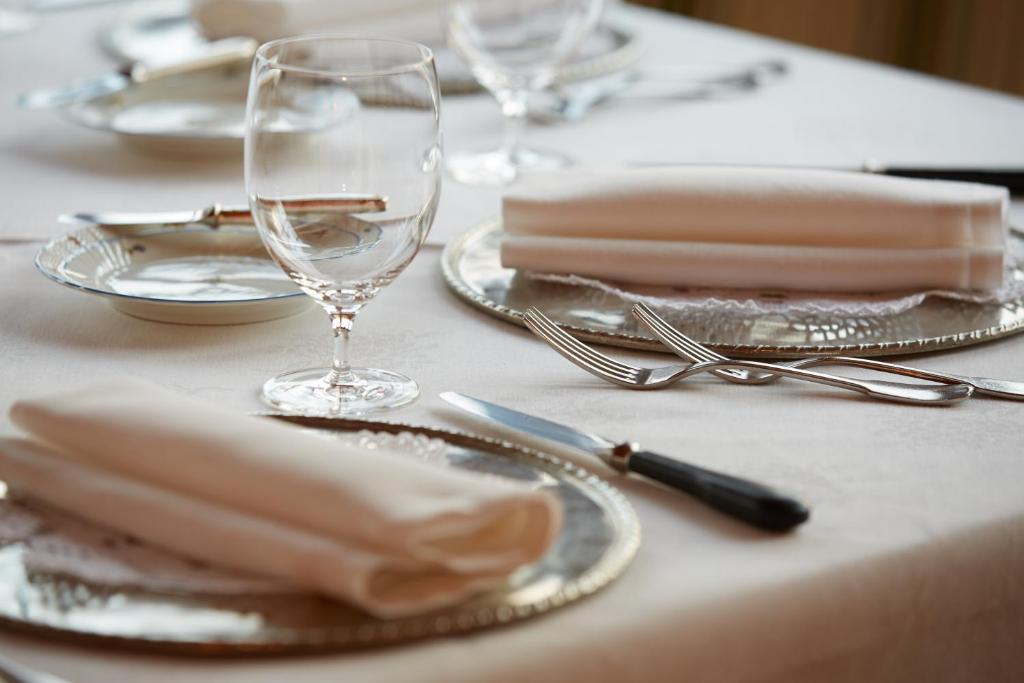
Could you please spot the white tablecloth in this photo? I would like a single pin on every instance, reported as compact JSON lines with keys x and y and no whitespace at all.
{"x":910,"y":568}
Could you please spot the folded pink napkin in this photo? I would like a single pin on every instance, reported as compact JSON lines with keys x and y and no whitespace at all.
{"x":380,"y":530}
{"x":760,"y":228}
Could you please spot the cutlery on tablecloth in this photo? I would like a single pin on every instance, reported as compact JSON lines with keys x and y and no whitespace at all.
{"x":1010,"y":177}
{"x":752,"y":502}
{"x":566,"y":104}
{"x":218,"y":53}
{"x":11,"y":672}
{"x":633,"y":377}
{"x":216,"y":215}
{"x":689,"y":349}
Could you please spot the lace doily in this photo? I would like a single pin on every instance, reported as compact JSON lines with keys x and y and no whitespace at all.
{"x":797,"y":305}
{"x":57,"y":543}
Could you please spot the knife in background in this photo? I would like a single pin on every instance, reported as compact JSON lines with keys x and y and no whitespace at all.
{"x":753,"y":503}
{"x":1011,"y":178}
{"x":215,"y":54}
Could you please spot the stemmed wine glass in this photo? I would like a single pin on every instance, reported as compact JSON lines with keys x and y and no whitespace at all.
{"x":343,"y":172}
{"x":514,"y":47}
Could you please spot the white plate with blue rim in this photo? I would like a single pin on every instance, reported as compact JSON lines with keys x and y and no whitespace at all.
{"x":193,"y":274}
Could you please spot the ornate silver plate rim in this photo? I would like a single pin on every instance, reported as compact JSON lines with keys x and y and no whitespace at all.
{"x":471,"y":245}
{"x":52,"y":259}
{"x":474,"y":615}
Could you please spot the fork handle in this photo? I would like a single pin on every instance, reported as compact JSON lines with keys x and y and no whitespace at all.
{"x":752,"y":502}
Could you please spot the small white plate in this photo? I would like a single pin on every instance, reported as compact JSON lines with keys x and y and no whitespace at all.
{"x":193,"y":275}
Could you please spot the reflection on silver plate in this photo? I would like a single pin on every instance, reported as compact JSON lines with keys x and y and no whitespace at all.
{"x":473,"y":270}
{"x":163,"y":31}
{"x":195,"y":274}
{"x":599,"y":539}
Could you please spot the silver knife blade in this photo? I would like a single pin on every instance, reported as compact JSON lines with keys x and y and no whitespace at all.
{"x":219,"y":53}
{"x":530,"y":424}
{"x":118,"y":218}
{"x":217,"y":214}
{"x":79,"y":91}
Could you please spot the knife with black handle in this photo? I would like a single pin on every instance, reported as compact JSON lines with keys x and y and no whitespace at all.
{"x":749,"y":501}
{"x":752,"y":502}
{"x":1010,"y":178}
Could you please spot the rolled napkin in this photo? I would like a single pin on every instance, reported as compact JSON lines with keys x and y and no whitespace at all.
{"x":758,"y":228}
{"x":271,"y":19}
{"x":389,"y":534}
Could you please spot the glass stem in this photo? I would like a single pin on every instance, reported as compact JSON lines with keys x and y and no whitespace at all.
{"x":341,"y":372}
{"x":513,"y":106}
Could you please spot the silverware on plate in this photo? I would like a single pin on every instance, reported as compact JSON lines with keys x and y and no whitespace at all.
{"x":216,"y":215}
{"x":215,"y":54}
{"x":634,"y":377}
{"x":752,"y":502}
{"x":689,"y":349}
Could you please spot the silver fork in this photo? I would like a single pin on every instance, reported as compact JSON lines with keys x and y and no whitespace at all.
{"x":689,"y":349}
{"x":633,"y":377}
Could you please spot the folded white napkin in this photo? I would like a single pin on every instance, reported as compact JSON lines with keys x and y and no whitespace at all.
{"x":270,"y":19}
{"x":774,"y":228}
{"x":379,"y":530}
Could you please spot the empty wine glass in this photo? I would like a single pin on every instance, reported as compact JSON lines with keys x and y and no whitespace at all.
{"x":514,"y":47}
{"x":343,"y":173}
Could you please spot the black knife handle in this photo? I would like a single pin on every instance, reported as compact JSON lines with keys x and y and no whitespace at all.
{"x":746,"y":500}
{"x":1012,"y":179}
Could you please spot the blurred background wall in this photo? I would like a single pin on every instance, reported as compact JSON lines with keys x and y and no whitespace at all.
{"x":976,"y":41}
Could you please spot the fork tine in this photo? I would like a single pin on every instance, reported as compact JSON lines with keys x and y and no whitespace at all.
{"x":583,"y":363}
{"x":572,"y":353}
{"x":577,"y":346}
{"x":587,"y":361}
{"x":673,"y":337}
{"x":661,"y":329}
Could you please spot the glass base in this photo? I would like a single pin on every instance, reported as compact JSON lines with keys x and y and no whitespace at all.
{"x":499,"y":168}
{"x":306,"y":392}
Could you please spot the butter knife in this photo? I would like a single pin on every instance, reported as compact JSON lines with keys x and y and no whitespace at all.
{"x":751,"y":502}
{"x":216,"y":215}
{"x":217,"y":53}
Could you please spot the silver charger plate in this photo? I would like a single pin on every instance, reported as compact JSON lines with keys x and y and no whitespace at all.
{"x":472,"y":269}
{"x":191,"y":275}
{"x":598,"y":540}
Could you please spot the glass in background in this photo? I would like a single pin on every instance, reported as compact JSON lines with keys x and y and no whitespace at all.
{"x":514,"y":47}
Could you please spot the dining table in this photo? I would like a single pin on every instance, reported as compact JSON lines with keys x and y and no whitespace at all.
{"x":909,"y":567}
